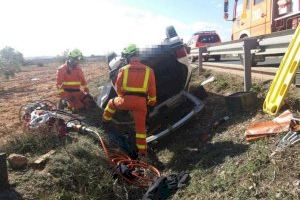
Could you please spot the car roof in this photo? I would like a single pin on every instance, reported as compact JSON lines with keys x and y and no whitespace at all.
{"x":205,"y":33}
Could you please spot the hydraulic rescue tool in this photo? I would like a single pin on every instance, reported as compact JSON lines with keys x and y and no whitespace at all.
{"x":44,"y":116}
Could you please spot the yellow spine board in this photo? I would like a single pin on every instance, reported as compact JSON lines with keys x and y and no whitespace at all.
{"x":284,"y":76}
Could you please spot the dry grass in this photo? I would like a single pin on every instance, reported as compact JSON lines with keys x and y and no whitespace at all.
{"x":226,"y":168}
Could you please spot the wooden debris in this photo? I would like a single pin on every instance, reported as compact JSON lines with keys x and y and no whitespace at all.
{"x":43,"y":159}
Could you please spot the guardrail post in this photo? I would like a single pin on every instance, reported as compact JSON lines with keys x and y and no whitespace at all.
{"x":200,"y":60}
{"x":3,"y":172}
{"x":247,"y":62}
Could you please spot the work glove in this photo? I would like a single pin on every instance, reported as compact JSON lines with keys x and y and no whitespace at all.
{"x":151,"y":103}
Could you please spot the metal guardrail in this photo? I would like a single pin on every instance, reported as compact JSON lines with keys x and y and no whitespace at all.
{"x":297,"y":80}
{"x":276,"y":43}
{"x":267,"y":45}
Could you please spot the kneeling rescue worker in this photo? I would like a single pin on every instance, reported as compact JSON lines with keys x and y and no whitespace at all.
{"x":71,"y":83}
{"x":135,"y":86}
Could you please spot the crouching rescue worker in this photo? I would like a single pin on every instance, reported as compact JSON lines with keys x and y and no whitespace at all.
{"x":70,"y":82}
{"x":135,"y":86}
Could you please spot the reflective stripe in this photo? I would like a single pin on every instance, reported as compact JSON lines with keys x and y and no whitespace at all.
{"x":110,"y":110}
{"x":140,"y":135}
{"x":71,"y":83}
{"x":135,"y":89}
{"x":152,"y":98}
{"x":107,"y":118}
{"x":141,"y":146}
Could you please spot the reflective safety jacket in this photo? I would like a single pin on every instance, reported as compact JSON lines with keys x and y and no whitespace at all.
{"x":70,"y":80}
{"x":137,"y":79}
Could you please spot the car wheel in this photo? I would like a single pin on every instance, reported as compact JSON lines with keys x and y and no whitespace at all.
{"x":253,"y":63}
{"x":217,"y":58}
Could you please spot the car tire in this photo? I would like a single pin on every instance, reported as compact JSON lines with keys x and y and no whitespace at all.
{"x":217,"y":58}
{"x":253,"y":61}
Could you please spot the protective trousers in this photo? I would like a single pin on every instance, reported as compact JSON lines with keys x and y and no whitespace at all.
{"x":74,"y":99}
{"x":137,"y":105}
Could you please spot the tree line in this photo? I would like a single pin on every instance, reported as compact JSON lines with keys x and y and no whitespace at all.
{"x":10,"y":61}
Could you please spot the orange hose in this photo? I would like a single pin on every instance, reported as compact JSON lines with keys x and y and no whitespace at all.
{"x":144,"y":179}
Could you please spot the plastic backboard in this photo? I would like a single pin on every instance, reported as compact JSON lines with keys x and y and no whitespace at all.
{"x":284,"y":76}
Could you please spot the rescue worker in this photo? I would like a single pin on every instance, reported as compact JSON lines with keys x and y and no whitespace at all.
{"x":71,"y":83}
{"x":135,"y":86}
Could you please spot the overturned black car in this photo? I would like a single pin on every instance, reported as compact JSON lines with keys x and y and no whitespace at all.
{"x":175,"y":105}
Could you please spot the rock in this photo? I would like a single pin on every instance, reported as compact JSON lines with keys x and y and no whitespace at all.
{"x":278,"y":195}
{"x":296,"y":183}
{"x":17,"y":161}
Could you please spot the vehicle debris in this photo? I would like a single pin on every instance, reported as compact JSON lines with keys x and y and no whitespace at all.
{"x":43,"y":159}
{"x":288,"y":140}
{"x":47,"y":115}
{"x":220,"y":121}
{"x":291,"y":138}
{"x":208,"y":80}
{"x":169,"y":61}
{"x":241,"y":101}
{"x":259,"y":130}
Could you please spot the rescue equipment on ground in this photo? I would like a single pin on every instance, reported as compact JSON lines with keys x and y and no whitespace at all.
{"x":291,"y":138}
{"x":284,"y":76}
{"x":44,"y":116}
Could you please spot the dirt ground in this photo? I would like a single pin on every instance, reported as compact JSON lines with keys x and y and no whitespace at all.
{"x":32,"y":84}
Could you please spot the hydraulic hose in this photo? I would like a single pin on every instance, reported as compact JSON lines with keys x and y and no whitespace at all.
{"x":143,"y":173}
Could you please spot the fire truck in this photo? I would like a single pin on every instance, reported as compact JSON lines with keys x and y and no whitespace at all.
{"x":259,"y":17}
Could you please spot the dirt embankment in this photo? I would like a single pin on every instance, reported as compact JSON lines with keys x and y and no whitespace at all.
{"x":31,"y":84}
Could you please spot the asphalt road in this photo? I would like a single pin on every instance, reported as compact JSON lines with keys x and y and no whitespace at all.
{"x":263,"y":70}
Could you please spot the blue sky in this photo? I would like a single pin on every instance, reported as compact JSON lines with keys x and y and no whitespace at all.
{"x":186,"y":11}
{"x":48,"y":27}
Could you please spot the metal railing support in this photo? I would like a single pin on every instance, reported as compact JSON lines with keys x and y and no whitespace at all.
{"x":247,"y":62}
{"x":200,"y":59}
